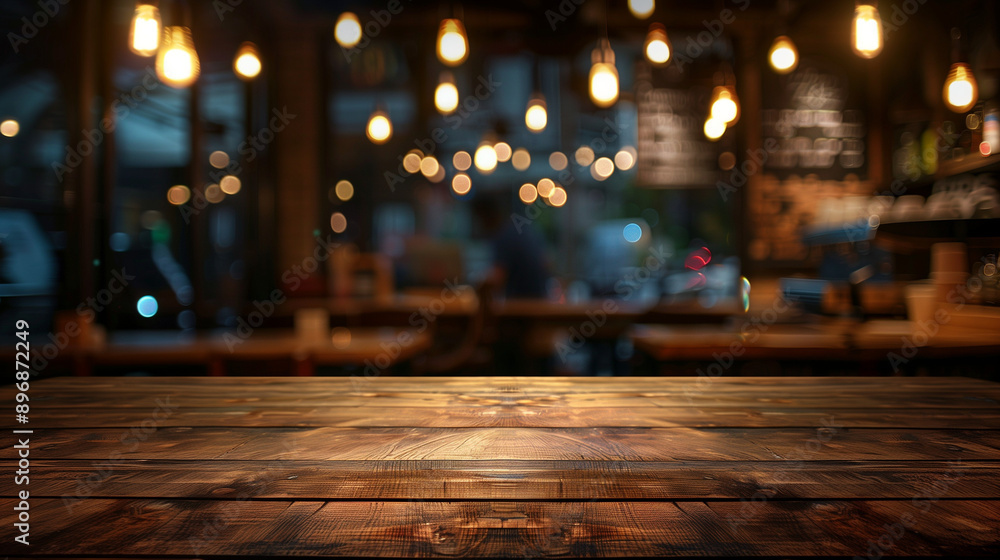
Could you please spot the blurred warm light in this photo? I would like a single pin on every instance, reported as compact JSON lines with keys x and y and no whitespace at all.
{"x":961,"y":92}
{"x":546,"y":188}
{"x":528,"y":193}
{"x":214,"y":194}
{"x":429,"y":166}
{"x":866,"y":33}
{"x":178,"y":194}
{"x":584,"y":155}
{"x":462,"y":160}
{"x":10,"y":128}
{"x":446,"y":94}
{"x":438,"y":176}
{"x":379,"y":128}
{"x":338,"y":222}
{"x":783,"y":56}
{"x":604,"y":167}
{"x":486,"y":158}
{"x":536,"y":117}
{"x":503,"y":151}
{"x":411,"y":162}
{"x":657,"y":47}
{"x":641,"y":9}
{"x":727,"y":161}
{"x":344,"y":190}
{"x":247,"y":62}
{"x":521,"y":159}
{"x":452,"y":43}
{"x":341,"y":337}
{"x":714,"y":128}
{"x":624,"y":159}
{"x":558,"y":197}
{"x":230,"y":184}
{"x":603,"y":76}
{"x":461,"y":183}
{"x":177,"y":62}
{"x":347,"y":30}
{"x":725,"y":105}
{"x":218,"y":159}
{"x":144,"y":34}
{"x":558,"y":161}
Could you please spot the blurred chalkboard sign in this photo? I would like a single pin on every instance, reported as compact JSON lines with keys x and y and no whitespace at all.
{"x":816,"y":114}
{"x":673,"y":151}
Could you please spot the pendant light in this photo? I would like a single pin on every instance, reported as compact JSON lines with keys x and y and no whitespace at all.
{"x":446,"y":94}
{"x":603,"y":75}
{"x":177,"y":62}
{"x":144,"y":33}
{"x":379,"y":128}
{"x":536,"y":116}
{"x":452,"y":42}
{"x":247,"y":64}
{"x":961,"y":92}
{"x":866,"y":31}
{"x":783,"y":56}
{"x":657,"y":45}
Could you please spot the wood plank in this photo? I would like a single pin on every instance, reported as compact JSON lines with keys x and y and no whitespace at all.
{"x":611,"y":444}
{"x":510,"y":416}
{"x":503,"y":480}
{"x":526,"y":529}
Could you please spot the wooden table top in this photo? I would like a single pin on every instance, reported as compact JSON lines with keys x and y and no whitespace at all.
{"x":507,"y":466}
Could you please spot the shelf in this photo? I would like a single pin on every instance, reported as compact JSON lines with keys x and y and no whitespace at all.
{"x":921,"y":234}
{"x":968,"y":163}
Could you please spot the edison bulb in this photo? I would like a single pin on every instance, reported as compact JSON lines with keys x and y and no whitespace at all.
{"x":866,"y":33}
{"x":347,"y":30}
{"x":144,"y":34}
{"x":657,"y":46}
{"x":603,"y":84}
{"x":725,"y":105}
{"x":446,"y":95}
{"x":247,"y":62}
{"x":379,"y":128}
{"x":961,"y":92}
{"x":536,"y":117}
{"x":783,"y":56}
{"x":714,"y":128}
{"x":177,"y":62}
{"x":452,"y":42}
{"x":641,"y":9}
{"x":485,"y":158}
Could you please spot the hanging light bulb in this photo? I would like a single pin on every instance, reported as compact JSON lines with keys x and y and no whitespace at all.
{"x":603,"y":76}
{"x":177,"y":62}
{"x":641,"y":9}
{"x":866,"y":33}
{"x":347,"y":30}
{"x":379,"y":129}
{"x":446,"y":94}
{"x":486,"y":157}
{"x":657,"y":46}
{"x":783,"y":56}
{"x":725,"y":105}
{"x":144,"y":34}
{"x":536,"y":117}
{"x":247,"y":62}
{"x":452,"y":42}
{"x":714,"y":128}
{"x":961,"y":92}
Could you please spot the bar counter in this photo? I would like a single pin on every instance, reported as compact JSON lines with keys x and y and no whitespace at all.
{"x":507,"y":466}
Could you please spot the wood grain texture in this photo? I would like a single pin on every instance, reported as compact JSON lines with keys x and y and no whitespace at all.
{"x":508,"y":467}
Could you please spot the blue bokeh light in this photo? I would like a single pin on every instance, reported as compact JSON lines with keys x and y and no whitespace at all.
{"x":147,"y":306}
{"x":632,"y":233}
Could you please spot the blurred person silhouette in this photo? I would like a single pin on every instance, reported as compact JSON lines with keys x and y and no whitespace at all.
{"x":519,"y":268}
